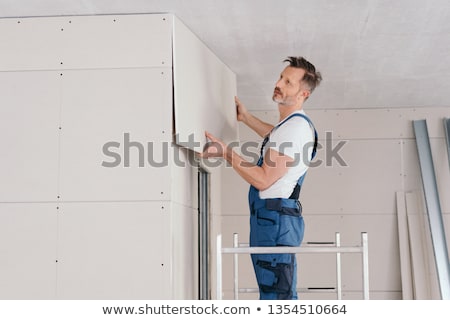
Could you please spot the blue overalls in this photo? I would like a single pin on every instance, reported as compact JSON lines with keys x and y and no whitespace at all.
{"x":277,"y":222}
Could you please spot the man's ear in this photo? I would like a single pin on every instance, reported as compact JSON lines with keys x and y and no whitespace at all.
{"x":305,"y":93}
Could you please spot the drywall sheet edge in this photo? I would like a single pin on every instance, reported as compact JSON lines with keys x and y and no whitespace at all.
{"x":405,"y":257}
{"x":204,"y":91}
{"x":419,"y":247}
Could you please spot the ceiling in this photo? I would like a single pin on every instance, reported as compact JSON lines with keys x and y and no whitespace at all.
{"x":371,"y":53}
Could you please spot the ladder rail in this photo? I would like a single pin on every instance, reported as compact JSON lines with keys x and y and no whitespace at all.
{"x":337,"y":249}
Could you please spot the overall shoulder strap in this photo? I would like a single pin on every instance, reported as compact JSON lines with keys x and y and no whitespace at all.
{"x":311,"y":125}
{"x":296,"y":192}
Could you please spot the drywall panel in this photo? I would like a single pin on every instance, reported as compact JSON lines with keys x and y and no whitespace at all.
{"x":364,"y":182}
{"x":29,"y":117}
{"x":116,"y":41}
{"x":28,"y":251}
{"x":30,"y":44}
{"x":362,"y":123}
{"x":74,"y":42}
{"x":366,"y":124}
{"x":114,"y":250}
{"x":404,"y":246}
{"x":204,"y":91}
{"x":422,"y":257}
{"x":115,"y":136}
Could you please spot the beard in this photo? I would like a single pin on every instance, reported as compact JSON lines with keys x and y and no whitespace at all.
{"x":281,"y":99}
{"x":277,"y":96}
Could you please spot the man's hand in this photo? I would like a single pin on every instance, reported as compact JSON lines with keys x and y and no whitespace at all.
{"x":260,"y":127}
{"x":241,"y":110}
{"x":214,"y":148}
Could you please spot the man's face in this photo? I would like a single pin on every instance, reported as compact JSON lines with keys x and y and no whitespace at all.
{"x":289,"y":90}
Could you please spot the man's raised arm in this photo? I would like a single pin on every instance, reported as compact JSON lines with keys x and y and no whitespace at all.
{"x":260,"y":127}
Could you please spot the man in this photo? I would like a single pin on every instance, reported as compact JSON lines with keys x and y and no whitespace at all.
{"x":275,"y":212}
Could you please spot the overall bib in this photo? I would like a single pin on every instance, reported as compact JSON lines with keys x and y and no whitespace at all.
{"x":277,"y":222}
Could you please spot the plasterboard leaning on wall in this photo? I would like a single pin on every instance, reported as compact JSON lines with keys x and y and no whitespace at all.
{"x":204,"y":90}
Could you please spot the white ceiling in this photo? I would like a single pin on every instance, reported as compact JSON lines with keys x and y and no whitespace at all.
{"x":372,"y":53}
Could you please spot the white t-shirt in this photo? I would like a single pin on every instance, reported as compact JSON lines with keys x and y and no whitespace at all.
{"x":294,"y":138}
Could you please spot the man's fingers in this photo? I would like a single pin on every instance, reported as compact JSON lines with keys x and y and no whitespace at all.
{"x":206,"y":146}
{"x":213,"y":147}
{"x":210,"y":136}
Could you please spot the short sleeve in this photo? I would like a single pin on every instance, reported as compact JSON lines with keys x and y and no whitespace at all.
{"x":294,"y":139}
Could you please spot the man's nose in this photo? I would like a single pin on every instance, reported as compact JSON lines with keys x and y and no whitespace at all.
{"x":279,"y":84}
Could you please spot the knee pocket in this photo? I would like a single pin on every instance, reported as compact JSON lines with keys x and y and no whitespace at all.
{"x":275,"y":273}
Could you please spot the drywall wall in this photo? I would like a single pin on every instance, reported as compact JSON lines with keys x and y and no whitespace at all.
{"x":96,"y":202}
{"x":73,"y":90}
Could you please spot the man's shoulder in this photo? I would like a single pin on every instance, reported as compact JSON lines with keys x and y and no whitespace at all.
{"x":296,"y":123}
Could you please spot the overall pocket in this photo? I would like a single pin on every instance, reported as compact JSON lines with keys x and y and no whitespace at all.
{"x":291,"y":230}
{"x":264,"y":227}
